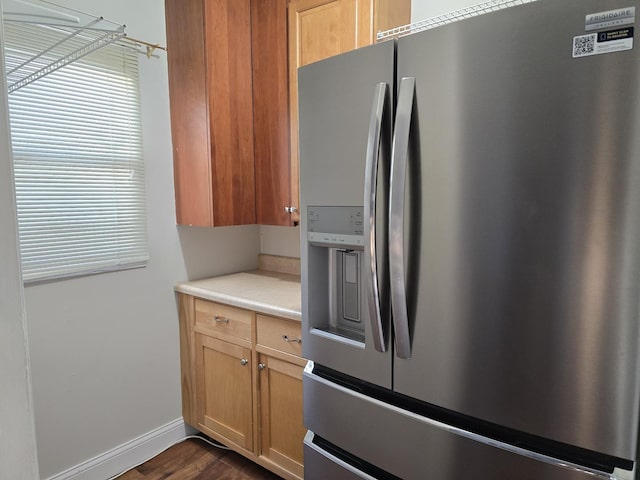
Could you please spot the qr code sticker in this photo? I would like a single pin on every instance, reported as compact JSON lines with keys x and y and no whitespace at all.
{"x":584,"y":45}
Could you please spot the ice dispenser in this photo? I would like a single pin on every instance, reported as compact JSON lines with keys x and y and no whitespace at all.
{"x":336,"y":263}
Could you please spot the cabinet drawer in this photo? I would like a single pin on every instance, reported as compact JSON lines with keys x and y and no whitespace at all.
{"x":218,"y":318}
{"x":280,"y":334}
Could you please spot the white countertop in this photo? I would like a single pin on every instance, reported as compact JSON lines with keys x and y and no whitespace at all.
{"x":262,"y":291}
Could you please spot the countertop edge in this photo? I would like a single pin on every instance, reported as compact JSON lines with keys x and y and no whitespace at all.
{"x":248,"y":304}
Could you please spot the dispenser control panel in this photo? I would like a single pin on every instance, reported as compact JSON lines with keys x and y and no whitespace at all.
{"x":336,"y":226}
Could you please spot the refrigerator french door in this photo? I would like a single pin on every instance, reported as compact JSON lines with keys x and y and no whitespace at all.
{"x":503,"y":249}
{"x":346,"y":114}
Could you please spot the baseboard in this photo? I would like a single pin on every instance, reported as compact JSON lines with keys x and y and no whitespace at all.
{"x":129,"y":454}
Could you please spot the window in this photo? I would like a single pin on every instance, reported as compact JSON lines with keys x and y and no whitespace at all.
{"x":78,"y":162}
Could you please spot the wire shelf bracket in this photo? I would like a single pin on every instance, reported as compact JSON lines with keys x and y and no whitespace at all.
{"x":77,"y":35}
{"x":67,"y":59}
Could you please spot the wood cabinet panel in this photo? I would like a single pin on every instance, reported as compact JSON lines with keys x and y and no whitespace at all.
{"x":281,"y":422}
{"x":186,"y":308}
{"x":224,"y":394}
{"x":229,"y":84}
{"x":271,"y":110}
{"x":189,"y":115}
{"x":327,"y":28}
{"x":390,"y":14}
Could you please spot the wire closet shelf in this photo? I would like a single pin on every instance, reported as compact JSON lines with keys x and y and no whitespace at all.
{"x":64,"y":36}
{"x":456,"y":15}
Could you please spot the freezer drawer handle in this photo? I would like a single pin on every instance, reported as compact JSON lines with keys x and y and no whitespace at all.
{"x":349,"y":470}
{"x":399,"y":159}
{"x":380,"y":99}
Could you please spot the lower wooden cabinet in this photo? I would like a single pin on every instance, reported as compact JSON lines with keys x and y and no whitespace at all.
{"x":281,"y":427}
{"x":242,"y":382}
{"x":223,"y":389}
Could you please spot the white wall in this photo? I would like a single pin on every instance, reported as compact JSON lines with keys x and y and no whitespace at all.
{"x":425,"y":9}
{"x":17,"y":437}
{"x":104,"y":348}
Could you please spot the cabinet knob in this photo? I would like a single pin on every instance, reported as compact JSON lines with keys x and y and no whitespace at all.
{"x":220,"y":319}
{"x":261,"y":366}
{"x":244,"y":361}
{"x":291,"y":340}
{"x":290,"y":209}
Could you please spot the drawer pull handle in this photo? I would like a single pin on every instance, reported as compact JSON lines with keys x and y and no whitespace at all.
{"x":220,"y":319}
{"x":244,"y":362}
{"x":261,"y":366}
{"x":291,"y":340}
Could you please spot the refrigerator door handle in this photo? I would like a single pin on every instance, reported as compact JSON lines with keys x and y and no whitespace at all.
{"x":399,"y":160}
{"x":380,"y":99}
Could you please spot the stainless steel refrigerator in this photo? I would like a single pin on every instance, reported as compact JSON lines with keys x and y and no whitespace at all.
{"x":471,"y":249}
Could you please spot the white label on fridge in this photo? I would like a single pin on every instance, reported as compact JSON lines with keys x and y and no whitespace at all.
{"x":603,"y":42}
{"x":611,"y":18}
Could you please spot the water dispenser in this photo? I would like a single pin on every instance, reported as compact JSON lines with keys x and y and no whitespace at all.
{"x":336,"y":266}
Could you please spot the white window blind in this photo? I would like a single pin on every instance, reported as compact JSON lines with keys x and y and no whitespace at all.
{"x":78,"y":162}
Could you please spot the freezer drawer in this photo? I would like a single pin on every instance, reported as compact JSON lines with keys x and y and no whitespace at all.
{"x":410,"y":446}
{"x":320,"y":464}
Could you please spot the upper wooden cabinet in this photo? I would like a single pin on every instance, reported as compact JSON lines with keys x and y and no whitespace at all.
{"x":319,"y":29}
{"x":234,"y":97}
{"x":210,"y":81}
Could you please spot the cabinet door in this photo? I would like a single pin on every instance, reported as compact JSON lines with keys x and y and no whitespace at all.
{"x":271,"y":110}
{"x":188,"y":99}
{"x":389,"y":14}
{"x":319,"y":29}
{"x":281,"y":425}
{"x":210,"y":86}
{"x":223,"y":387}
{"x":229,"y":86}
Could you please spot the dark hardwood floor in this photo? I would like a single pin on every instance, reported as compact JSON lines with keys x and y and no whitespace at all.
{"x":197,"y":460}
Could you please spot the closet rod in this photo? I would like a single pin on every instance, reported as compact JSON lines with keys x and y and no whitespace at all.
{"x":151,"y":47}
